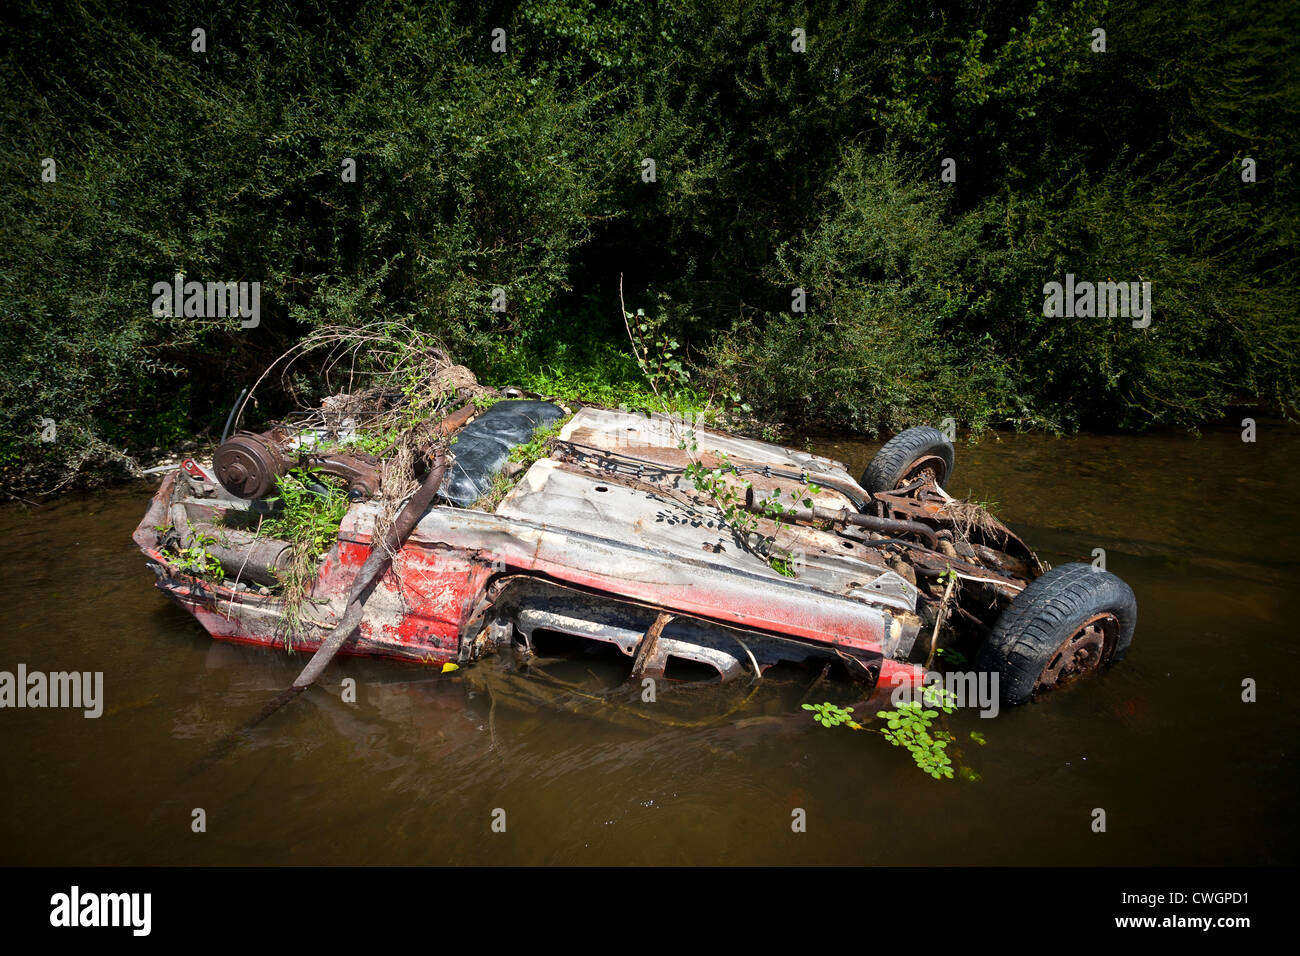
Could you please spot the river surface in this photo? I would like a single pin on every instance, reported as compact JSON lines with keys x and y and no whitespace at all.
{"x":1206,"y":530}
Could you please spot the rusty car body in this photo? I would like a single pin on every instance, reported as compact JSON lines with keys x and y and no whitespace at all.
{"x":607,"y":539}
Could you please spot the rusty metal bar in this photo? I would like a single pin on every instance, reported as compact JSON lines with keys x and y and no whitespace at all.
{"x":457,"y":419}
{"x":381,"y":555}
{"x":647,"y":649}
{"x":843,"y":516}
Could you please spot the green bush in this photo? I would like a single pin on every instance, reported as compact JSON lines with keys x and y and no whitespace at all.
{"x":227,"y":166}
{"x":887,"y":282}
{"x":522,"y":170}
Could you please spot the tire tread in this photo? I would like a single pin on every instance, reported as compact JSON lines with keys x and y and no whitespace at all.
{"x":891,"y":462}
{"x":1053,"y":606}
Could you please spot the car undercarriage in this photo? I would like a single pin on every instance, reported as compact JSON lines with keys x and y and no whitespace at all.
{"x":695,"y":554}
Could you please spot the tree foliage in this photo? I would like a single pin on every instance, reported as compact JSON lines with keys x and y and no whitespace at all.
{"x":522,"y":170}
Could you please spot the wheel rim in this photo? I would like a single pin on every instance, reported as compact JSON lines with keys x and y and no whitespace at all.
{"x":930,"y":467}
{"x":1080,"y":654}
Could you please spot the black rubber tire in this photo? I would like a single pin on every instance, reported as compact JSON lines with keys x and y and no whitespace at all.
{"x":1051,"y":609}
{"x":897,"y":456}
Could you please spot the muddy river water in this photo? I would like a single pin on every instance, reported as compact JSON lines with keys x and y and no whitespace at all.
{"x":418,"y":770}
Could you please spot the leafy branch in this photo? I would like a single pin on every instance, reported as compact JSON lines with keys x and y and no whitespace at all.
{"x":909,"y":725}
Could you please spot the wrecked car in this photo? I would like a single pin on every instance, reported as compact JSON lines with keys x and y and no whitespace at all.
{"x":693,"y":553}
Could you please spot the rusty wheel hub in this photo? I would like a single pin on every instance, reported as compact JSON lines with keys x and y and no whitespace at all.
{"x":930,"y":468}
{"x":248,"y":465}
{"x":1081,"y":653}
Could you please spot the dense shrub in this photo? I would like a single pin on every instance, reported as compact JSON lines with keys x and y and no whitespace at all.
{"x":887,"y":281}
{"x":227,"y":166}
{"x":775,"y":169}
